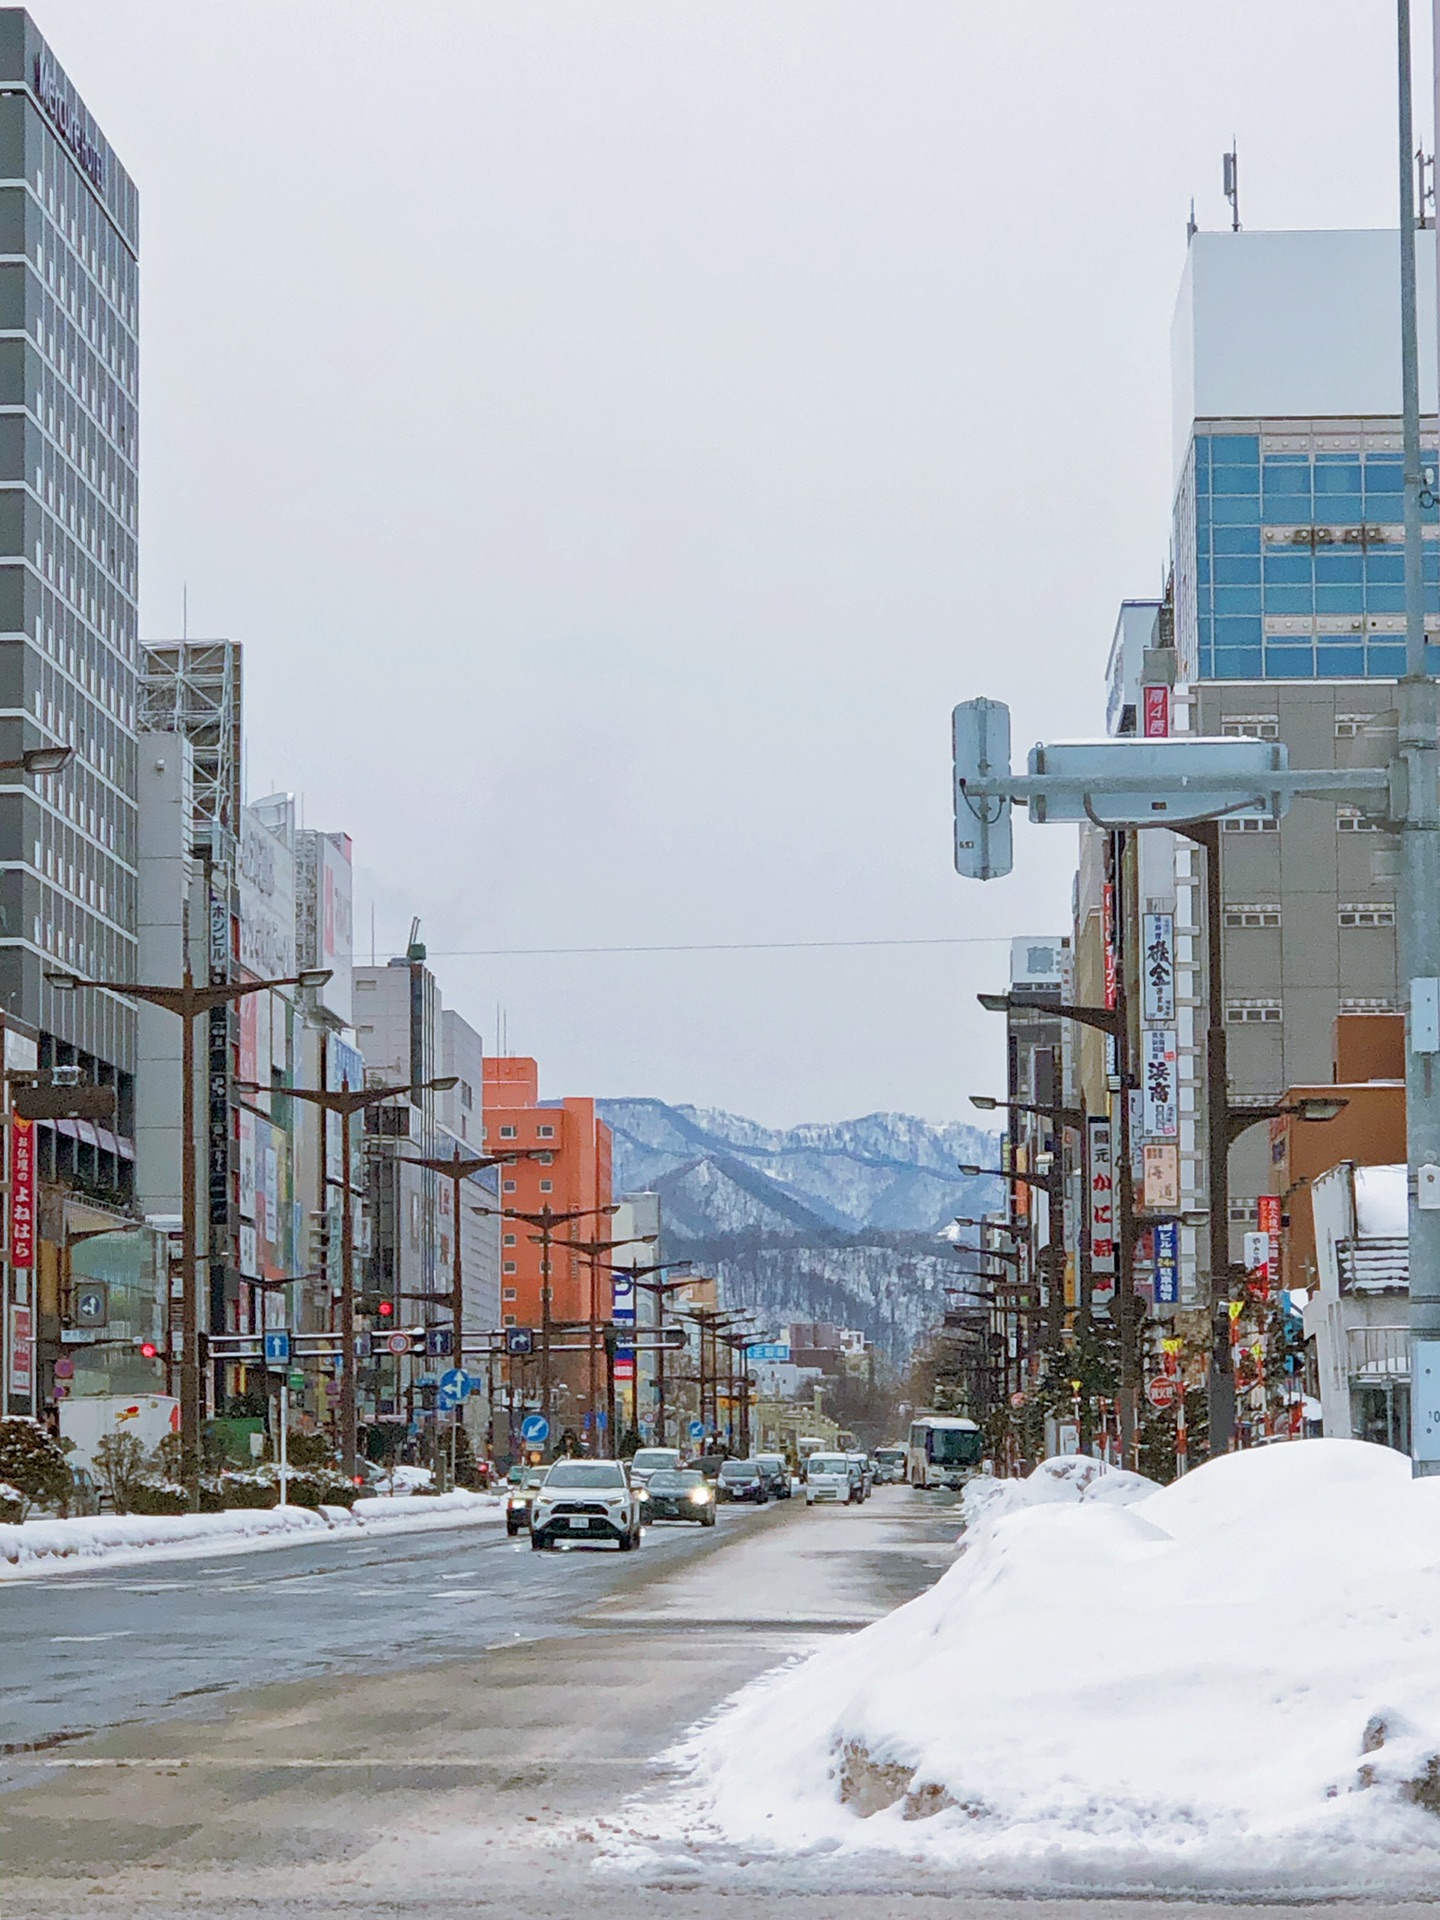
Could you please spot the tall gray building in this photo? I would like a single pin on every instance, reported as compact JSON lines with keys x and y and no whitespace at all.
{"x":68,"y":615}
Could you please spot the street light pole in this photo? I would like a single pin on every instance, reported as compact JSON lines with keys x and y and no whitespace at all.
{"x":348,"y":1101}
{"x":189,"y":1002}
{"x":659,"y":1290}
{"x":547,"y":1219}
{"x":590,"y":1251}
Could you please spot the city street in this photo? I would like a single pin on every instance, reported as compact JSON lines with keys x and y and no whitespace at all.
{"x":339,"y":1728}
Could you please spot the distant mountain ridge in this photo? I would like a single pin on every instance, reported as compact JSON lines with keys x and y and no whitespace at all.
{"x":829,"y":1220}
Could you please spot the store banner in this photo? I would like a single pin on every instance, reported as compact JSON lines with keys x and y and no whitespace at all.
{"x":622,"y":1312}
{"x":1270,"y":1219}
{"x":1159,"y":1057}
{"x":1155,"y":704}
{"x":1166,"y":1270}
{"x":22,"y":1351}
{"x":22,"y":1193}
{"x":1162,"y":1177}
{"x":1101,"y":1210}
{"x":1158,"y":969}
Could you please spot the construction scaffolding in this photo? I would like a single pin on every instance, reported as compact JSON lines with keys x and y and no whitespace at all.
{"x":193,"y":687}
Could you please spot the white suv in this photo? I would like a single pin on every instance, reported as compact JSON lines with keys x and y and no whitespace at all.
{"x":586,"y":1500}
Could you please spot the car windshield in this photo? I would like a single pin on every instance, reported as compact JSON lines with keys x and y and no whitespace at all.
{"x":668,"y":1480}
{"x":535,"y":1477}
{"x":890,"y":1456}
{"x":653,"y":1460}
{"x":738,"y":1470}
{"x":585,"y":1473}
{"x":828,"y":1463}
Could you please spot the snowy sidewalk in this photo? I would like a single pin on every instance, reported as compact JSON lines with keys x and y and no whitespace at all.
{"x":32,"y":1547}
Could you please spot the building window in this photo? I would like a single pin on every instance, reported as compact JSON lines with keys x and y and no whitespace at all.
{"x":467,"y":1094}
{"x":545,"y":1133}
{"x":1351,"y":820}
{"x":509,"y":1293}
{"x":1267,"y":915}
{"x":1253,"y":726}
{"x":1250,"y":826}
{"x":1367,"y":913}
{"x":547,"y":1186}
{"x":507,"y":1133}
{"x":509,"y":1240}
{"x":510,"y":1267}
{"x":1249,"y":1013}
{"x":509,"y":1319}
{"x":1370,"y":1005}
{"x":508,"y":1186}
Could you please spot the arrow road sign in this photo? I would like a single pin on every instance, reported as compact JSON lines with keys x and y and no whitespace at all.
{"x":534,"y":1429}
{"x":456,"y":1381}
{"x":277,"y":1346}
{"x":697,"y":1429}
{"x":519,"y":1339}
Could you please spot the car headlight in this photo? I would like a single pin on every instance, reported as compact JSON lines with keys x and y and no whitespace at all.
{"x":699,"y":1495}
{"x":642,"y":1493}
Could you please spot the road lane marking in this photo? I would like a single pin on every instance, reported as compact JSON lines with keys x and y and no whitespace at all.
{"x":88,"y":1639}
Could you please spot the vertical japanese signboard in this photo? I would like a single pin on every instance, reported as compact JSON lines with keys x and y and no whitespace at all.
{"x":1162,"y":1176}
{"x":1155,"y":707}
{"x":1158,"y":1063}
{"x":1270,"y":1221}
{"x":622,"y":1311}
{"x":1158,"y":969}
{"x":1167,"y":1263}
{"x":22,"y":1364}
{"x":22,"y":1192}
{"x":1101,"y":1205}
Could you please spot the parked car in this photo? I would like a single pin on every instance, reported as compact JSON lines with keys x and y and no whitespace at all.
{"x":743,"y":1480}
{"x":776,"y":1469}
{"x":651,"y":1460}
{"x":830,"y":1476}
{"x":586,"y":1500}
{"x":890,"y":1466}
{"x":521,"y":1497}
{"x":863,"y":1469}
{"x":676,"y":1494}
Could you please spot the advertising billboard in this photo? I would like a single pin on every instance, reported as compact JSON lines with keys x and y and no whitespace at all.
{"x":267,"y":901}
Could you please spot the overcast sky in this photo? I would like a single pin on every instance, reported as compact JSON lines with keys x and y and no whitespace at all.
{"x":620,"y":432}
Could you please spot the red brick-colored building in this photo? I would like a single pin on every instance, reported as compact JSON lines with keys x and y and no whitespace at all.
{"x":569,"y":1169}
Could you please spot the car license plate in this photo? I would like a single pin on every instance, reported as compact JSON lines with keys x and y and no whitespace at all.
{"x":578,"y":1520}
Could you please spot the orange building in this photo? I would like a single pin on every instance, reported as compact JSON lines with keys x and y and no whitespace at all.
{"x":568,"y":1170}
{"x":1368,"y":1074}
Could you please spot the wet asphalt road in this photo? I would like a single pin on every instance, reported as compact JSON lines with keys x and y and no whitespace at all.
{"x":88,"y":1651}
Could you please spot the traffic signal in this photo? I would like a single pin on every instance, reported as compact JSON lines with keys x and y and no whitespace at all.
{"x":386,"y":1309}
{"x":149,"y":1350}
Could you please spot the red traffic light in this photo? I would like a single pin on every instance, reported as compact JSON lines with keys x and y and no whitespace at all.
{"x":148,"y":1350}
{"x":386,"y":1308}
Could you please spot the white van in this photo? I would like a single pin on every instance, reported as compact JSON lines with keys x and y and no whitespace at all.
{"x":828,"y":1476}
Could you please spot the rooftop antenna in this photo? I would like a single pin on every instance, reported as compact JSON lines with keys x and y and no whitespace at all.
{"x":1232,"y":184}
{"x":185,"y":606}
{"x":1190,"y":227}
{"x":1424,"y":194}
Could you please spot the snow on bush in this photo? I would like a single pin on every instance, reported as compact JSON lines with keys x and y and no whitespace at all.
{"x":1232,"y":1683}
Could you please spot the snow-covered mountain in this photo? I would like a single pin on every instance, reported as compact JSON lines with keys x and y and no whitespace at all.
{"x":828,"y":1221}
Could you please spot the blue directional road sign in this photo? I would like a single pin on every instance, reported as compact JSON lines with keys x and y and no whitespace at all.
{"x":455,"y":1380}
{"x":439,"y":1341}
{"x":534,"y":1429}
{"x":277,"y":1346}
{"x":697,"y":1429}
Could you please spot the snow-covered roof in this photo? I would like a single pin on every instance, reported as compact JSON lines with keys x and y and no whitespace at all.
{"x":1381,"y":1207}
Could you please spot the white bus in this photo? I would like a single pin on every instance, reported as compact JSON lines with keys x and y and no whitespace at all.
{"x":944,"y":1451}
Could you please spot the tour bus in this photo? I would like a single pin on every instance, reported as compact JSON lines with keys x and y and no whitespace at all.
{"x":944,"y":1451}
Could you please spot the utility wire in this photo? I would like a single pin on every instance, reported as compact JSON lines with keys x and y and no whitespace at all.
{"x":719,"y":946}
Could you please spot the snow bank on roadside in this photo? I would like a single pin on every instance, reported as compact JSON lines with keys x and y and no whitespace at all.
{"x":1231,"y":1684}
{"x":55,"y":1546}
{"x":1069,"y":1477}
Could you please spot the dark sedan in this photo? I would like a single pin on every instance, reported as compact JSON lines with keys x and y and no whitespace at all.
{"x":744,"y":1480}
{"x":678,"y":1495}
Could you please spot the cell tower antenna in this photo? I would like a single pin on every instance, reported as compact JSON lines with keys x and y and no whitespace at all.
{"x":1191,"y":229}
{"x":1232,"y":184}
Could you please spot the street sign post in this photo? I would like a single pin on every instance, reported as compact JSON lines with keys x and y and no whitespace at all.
{"x":277,"y":1347}
{"x":696,"y":1429}
{"x":520,"y":1340}
{"x":455,"y":1380}
{"x":534,"y":1429}
{"x":1163,"y":1391}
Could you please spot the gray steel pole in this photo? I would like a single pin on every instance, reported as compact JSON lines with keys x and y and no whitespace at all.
{"x":1415,"y":777}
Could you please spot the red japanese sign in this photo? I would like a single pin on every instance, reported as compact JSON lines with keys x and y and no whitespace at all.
{"x":1156,"y":712}
{"x":22,"y":1193}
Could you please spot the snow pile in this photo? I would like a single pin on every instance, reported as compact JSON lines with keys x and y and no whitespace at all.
{"x":52,"y":1546}
{"x":1069,"y":1477}
{"x":1232,"y":1684}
